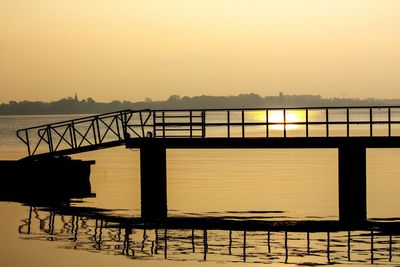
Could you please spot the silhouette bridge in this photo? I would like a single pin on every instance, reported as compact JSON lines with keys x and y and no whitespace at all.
{"x":348,"y":129}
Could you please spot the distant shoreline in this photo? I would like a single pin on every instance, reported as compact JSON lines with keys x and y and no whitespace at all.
{"x":71,"y":106}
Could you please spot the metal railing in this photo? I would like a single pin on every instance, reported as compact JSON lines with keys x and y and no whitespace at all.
{"x":78,"y":135}
{"x":113,"y":129}
{"x":277,"y":122}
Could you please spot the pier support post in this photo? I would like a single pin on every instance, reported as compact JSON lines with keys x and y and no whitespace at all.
{"x":153,"y":180}
{"x":352,"y":184}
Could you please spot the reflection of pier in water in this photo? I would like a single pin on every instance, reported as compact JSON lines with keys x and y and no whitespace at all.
{"x":181,"y":239}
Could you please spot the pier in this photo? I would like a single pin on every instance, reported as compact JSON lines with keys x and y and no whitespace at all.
{"x":350,"y":130}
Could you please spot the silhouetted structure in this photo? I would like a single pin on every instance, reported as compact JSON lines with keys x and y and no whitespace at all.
{"x":45,"y":180}
{"x":154,"y":131}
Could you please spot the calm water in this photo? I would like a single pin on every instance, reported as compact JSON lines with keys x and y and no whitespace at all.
{"x":259,"y":184}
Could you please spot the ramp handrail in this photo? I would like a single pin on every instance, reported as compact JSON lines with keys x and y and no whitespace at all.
{"x":82,"y":133}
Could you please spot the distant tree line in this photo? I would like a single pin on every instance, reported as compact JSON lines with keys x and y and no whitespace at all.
{"x":89,"y":106}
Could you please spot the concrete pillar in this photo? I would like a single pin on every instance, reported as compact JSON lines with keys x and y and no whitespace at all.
{"x":352,"y":184}
{"x":153,"y":172}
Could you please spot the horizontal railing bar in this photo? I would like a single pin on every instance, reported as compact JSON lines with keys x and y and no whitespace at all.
{"x":178,"y":129}
{"x":176,"y":121}
{"x":277,"y":108}
{"x":177,"y":116}
{"x":171,"y":124}
{"x":182,"y":136}
{"x":88,"y":118}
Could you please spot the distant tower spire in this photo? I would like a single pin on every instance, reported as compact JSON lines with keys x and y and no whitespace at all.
{"x":76,"y":97}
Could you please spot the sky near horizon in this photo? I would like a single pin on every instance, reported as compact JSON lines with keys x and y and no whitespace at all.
{"x":131,"y":49}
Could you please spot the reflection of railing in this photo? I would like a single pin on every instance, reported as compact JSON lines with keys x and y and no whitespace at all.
{"x":112,"y":129}
{"x":311,"y":246}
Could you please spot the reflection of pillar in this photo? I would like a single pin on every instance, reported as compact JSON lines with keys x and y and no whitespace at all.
{"x":372,"y":246}
{"x":153,"y":171}
{"x":156,"y":241}
{"x":29,"y":220}
{"x":165,"y":243}
{"x":390,"y":247}
{"x":286,"y":248}
{"x":244,"y":246}
{"x":352,"y":184}
{"x":348,"y":246}
{"x":193,"y":247}
{"x":125,"y":249}
{"x":205,"y":244}
{"x":230,"y":242}
{"x":328,"y":246}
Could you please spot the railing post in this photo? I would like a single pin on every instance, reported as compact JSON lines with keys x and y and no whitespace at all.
{"x":370,"y":122}
{"x":348,"y":122}
{"x":117,"y":125}
{"x":75,"y":144}
{"x":228,"y":114}
{"x":203,"y":122}
{"x":27,"y":142}
{"x":49,"y":139}
{"x":141,"y":123}
{"x":154,"y":123}
{"x":96,"y":119}
{"x":327,"y":121}
{"x":163,"y":122}
{"x":191,"y":122}
{"x":70,"y":135}
{"x":266,"y":124}
{"x":123,"y":124}
{"x":284,"y":123}
{"x":306,"y":122}
{"x":243,"y":133}
{"x":389,"y":122}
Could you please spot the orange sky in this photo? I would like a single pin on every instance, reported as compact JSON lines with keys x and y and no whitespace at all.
{"x":127,"y":49}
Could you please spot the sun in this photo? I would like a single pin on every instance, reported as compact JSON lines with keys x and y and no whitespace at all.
{"x":279,"y":119}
